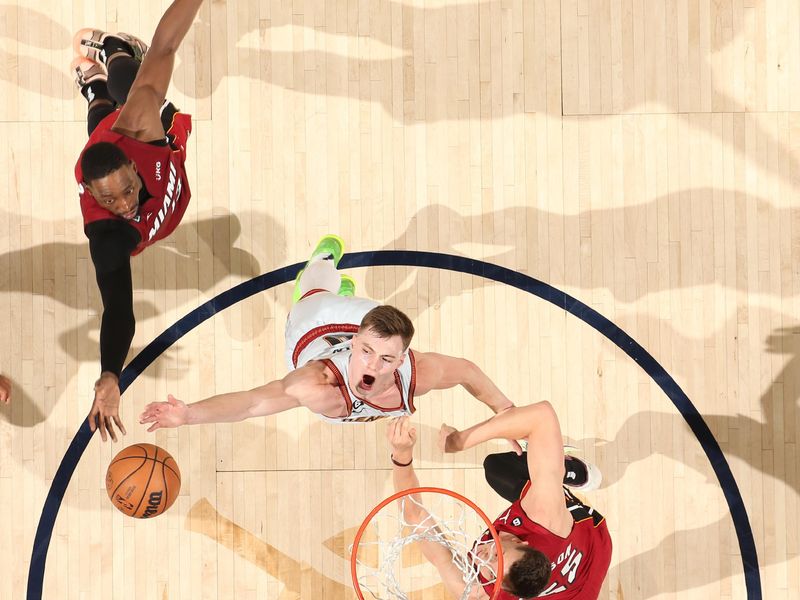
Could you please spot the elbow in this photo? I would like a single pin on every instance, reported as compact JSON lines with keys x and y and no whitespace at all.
{"x":471,"y":372}
{"x":542,"y":417}
{"x":546,"y":415}
{"x":546,"y":407}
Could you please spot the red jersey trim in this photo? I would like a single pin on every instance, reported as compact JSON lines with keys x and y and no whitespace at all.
{"x":342,"y":387}
{"x":413,"y":383}
{"x":172,"y":122}
{"x":311,"y":293}
{"x":525,"y":490}
{"x":313,"y":334}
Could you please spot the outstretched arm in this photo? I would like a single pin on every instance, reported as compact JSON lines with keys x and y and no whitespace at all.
{"x":110,"y":252}
{"x":402,"y":437}
{"x":139,"y":117}
{"x":298,"y":388}
{"x":441,"y":372}
{"x":538,"y":423}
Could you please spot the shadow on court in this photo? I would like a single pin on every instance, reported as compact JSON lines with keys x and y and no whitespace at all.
{"x":677,"y":239}
{"x":767,"y":445}
{"x":444,"y":60}
{"x":28,"y":27}
{"x":201,"y":256}
{"x":298,"y":578}
{"x":198,"y":256}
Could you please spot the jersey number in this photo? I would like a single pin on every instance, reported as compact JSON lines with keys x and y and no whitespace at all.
{"x":572,"y":560}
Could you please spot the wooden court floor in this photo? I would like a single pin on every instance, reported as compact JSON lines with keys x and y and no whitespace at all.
{"x":641,"y":156}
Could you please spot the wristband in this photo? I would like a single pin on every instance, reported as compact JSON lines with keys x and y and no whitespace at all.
{"x":399,"y":464}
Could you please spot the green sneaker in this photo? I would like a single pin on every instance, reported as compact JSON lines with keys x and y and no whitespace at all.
{"x":331,"y":245}
{"x":347,"y":287}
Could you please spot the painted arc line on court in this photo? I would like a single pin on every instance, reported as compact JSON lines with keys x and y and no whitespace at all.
{"x":434,"y":260}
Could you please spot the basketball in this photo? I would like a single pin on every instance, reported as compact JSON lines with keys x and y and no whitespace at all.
{"x":143,"y":481}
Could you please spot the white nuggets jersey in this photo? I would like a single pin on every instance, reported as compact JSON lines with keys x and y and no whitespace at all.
{"x":321,"y":327}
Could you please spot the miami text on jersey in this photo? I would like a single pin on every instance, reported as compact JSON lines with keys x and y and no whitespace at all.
{"x":170,"y":198}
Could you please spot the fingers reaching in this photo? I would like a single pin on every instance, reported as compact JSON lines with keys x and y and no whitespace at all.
{"x":148,"y":414}
{"x":172,"y":413}
{"x":152,"y":412}
{"x":101,"y":425}
{"x":110,"y":429}
{"x":121,"y":427}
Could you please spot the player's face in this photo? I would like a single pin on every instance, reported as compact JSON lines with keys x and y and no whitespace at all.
{"x":511,"y":551}
{"x":118,"y":191}
{"x":374,"y":361}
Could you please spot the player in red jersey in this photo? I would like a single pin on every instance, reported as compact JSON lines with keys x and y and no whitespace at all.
{"x":553,"y":545}
{"x":131,"y":175}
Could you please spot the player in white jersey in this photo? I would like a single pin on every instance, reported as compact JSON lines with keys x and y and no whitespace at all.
{"x":321,"y":327}
{"x":349,"y":361}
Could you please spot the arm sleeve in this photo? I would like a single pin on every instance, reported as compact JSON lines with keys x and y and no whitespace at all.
{"x":112,"y":262}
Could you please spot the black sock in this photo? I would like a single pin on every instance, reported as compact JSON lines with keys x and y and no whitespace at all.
{"x":113,"y":44}
{"x":121,"y":75}
{"x":576,"y":471}
{"x":96,"y":89}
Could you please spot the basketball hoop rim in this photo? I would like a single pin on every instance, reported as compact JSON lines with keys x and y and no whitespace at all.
{"x":433,"y":490}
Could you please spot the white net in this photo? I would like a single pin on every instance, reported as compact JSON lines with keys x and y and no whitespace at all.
{"x":390,"y":561}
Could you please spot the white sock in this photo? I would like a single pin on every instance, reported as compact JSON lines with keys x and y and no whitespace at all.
{"x":320,"y":274}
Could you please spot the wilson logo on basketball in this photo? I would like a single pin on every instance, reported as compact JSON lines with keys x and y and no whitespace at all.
{"x":153,"y":504}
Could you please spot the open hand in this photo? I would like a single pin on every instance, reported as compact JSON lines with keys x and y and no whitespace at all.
{"x":172,"y":413}
{"x":447,"y":441}
{"x":105,"y":408}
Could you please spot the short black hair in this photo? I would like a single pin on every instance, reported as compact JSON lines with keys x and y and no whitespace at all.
{"x":100,"y":159}
{"x":528,"y":575}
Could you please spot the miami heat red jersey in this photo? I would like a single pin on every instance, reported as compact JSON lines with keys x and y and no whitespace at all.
{"x":579,"y":562}
{"x":163,"y":172}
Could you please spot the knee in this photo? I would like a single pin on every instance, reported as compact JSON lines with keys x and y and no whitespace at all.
{"x":493,"y":466}
{"x":490,"y":462}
